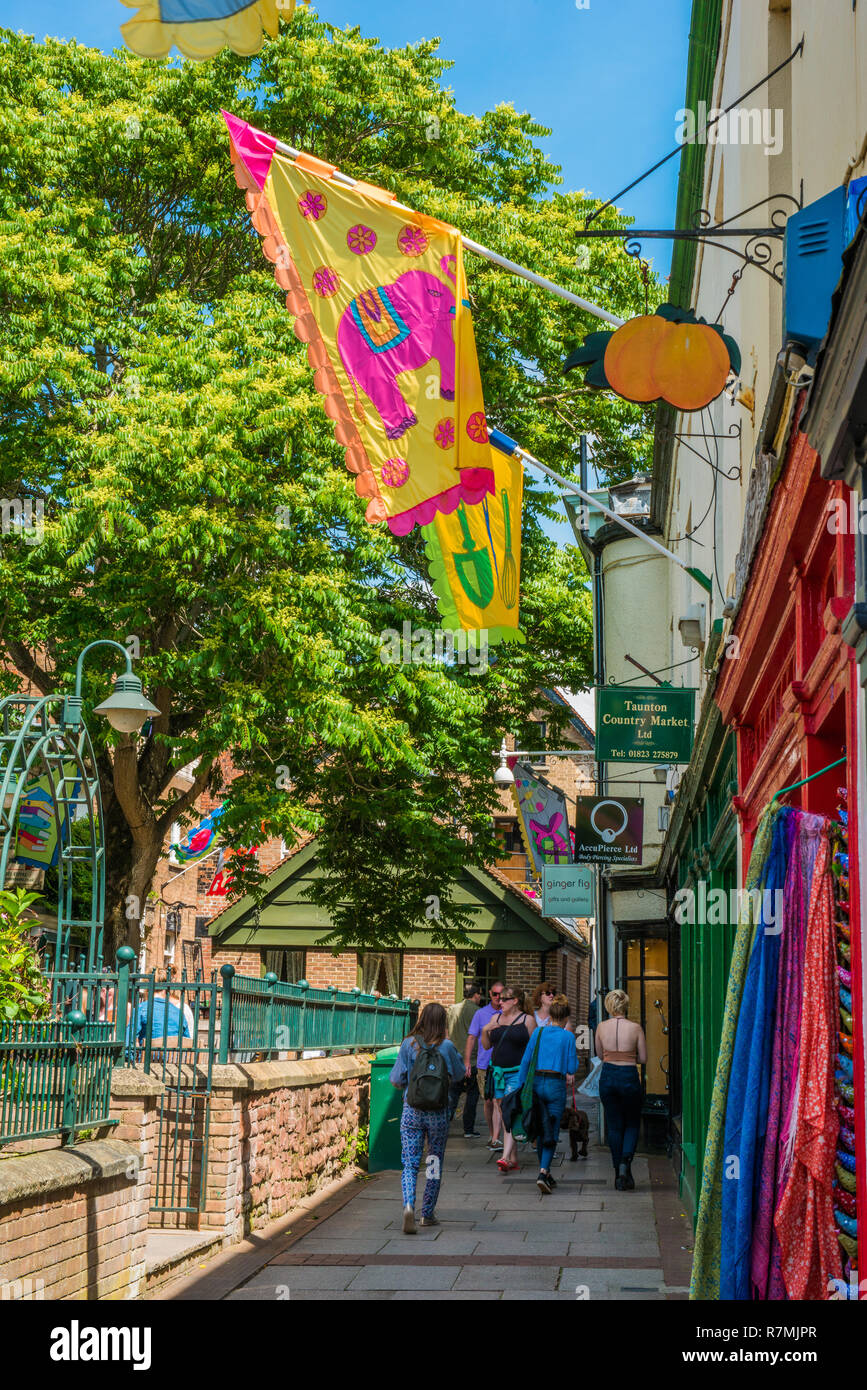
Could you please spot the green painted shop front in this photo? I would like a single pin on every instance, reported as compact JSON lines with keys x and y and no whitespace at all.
{"x":701,"y":855}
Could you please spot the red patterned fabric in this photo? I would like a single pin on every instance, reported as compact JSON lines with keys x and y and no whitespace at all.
{"x":804,"y":1220}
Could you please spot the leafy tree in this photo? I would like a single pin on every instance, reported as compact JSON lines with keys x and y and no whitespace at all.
{"x":24,"y":990}
{"x":153,"y":395}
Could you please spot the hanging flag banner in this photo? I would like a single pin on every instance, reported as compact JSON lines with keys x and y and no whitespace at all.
{"x":543,"y":818}
{"x":37,"y":842}
{"x":609,"y":830}
{"x":199,"y":841}
{"x":224,"y":879}
{"x":652,"y":724}
{"x":379,"y":296}
{"x":475,"y":557}
{"x":567,"y":890}
{"x":201,"y":28}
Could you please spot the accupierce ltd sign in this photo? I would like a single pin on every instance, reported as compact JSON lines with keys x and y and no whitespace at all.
{"x":609,"y":830}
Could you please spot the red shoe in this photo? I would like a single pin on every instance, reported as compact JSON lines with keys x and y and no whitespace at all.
{"x":503,"y":1165}
{"x":513,"y":1168}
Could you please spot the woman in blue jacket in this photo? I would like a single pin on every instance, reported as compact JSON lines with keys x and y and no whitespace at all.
{"x":417,"y":1125}
{"x":556,"y":1064}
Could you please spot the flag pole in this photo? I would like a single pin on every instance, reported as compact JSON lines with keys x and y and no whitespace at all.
{"x":511,"y":266}
{"x":501,"y":441}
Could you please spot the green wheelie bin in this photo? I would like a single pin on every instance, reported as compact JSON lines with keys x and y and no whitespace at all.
{"x":386,"y":1103}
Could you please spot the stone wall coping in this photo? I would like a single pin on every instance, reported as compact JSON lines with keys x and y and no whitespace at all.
{"x":132,"y":1081}
{"x":269,"y":1076}
{"x":37,"y":1175}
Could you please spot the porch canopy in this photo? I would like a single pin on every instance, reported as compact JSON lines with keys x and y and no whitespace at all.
{"x":505,"y":918}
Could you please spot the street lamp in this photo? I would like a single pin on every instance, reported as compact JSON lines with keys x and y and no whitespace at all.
{"x":48,"y":770}
{"x":126,"y":708}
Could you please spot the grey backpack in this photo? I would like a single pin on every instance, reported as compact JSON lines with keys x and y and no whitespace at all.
{"x":428,"y":1086}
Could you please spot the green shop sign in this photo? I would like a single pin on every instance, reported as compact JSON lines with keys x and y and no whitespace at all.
{"x":643,"y":725}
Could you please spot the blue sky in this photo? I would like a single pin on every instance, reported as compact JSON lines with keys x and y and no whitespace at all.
{"x":607,"y":79}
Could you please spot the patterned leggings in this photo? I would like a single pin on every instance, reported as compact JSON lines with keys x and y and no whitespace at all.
{"x":415,"y":1125}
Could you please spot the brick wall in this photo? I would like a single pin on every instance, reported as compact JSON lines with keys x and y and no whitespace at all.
{"x":324,"y":969}
{"x":429,"y":975}
{"x":279,"y":1132}
{"x":73,"y":1222}
{"x":524,"y":968}
{"x":246,"y":962}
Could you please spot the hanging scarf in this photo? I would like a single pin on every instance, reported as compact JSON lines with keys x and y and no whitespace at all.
{"x":765,"y":1264}
{"x":705,"y":1282}
{"x":747,"y":1099}
{"x":804,"y":1221}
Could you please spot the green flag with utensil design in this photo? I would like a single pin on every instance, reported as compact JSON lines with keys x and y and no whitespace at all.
{"x":475,"y":558}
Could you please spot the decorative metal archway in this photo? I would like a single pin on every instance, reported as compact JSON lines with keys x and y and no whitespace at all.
{"x":42,"y":750}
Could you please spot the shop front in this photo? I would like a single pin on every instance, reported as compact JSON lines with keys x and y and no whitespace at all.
{"x":785,"y":1062}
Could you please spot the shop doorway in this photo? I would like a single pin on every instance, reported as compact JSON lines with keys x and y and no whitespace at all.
{"x":644,"y":972}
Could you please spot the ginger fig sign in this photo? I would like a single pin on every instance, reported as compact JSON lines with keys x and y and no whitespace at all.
{"x":652,"y":724}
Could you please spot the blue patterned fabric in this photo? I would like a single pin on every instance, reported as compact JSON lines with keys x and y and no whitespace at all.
{"x":194,"y":11}
{"x":747,"y":1100}
{"x":415,"y":1127}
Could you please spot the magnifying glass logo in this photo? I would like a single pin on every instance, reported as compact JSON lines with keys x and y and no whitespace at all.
{"x":608,"y":834}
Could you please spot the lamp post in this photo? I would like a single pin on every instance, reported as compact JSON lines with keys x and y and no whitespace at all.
{"x":49,"y":779}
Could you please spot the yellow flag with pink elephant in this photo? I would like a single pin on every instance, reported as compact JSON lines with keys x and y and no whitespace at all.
{"x":379,"y":296}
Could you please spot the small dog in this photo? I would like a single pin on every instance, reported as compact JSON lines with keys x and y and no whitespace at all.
{"x":578,"y":1125}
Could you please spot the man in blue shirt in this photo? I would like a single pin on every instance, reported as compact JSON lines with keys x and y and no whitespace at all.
{"x":479,"y":1019}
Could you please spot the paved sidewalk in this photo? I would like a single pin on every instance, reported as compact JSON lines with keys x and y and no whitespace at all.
{"x":498,"y":1239}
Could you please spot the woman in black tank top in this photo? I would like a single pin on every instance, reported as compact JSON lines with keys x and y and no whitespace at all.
{"x":507,"y":1034}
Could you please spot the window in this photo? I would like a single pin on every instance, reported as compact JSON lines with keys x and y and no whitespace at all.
{"x":380,"y":972}
{"x":288,"y":966}
{"x":540,"y":734}
{"x":483,"y":969}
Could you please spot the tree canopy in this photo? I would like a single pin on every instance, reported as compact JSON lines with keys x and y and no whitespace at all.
{"x":154,"y":397}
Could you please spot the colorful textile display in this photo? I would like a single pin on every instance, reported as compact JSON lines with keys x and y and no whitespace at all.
{"x":201,"y":28}
{"x":776,"y":1214}
{"x":705,"y":1281}
{"x":475,"y":558}
{"x":379,"y":295}
{"x":747,"y":1099}
{"x":845,"y":1180}
{"x":543,"y":818}
{"x":40,"y":827}
{"x":767,"y":1280}
{"x":804,"y":1220}
{"x":199,"y":841}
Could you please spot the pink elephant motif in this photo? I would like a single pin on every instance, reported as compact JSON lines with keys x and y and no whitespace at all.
{"x":396,"y":328}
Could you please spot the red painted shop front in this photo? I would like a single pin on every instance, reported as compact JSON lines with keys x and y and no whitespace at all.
{"x":789,"y":687}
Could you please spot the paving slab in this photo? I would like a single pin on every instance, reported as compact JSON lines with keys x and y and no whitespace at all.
{"x":406,"y":1277}
{"x":508,"y":1277}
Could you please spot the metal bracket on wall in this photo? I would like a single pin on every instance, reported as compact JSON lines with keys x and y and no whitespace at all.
{"x":733,"y":474}
{"x":758,"y":249}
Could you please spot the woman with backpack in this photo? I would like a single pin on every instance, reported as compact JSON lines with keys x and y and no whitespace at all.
{"x":427,"y":1064}
{"x":506,"y":1034}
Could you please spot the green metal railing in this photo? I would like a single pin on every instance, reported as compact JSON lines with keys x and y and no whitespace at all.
{"x":265,"y":1016}
{"x":55,"y":1074}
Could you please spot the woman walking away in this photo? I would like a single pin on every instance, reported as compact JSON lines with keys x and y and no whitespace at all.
{"x":553,"y":1053}
{"x":506,"y":1034}
{"x":427,"y":1065}
{"x":621,"y":1044}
